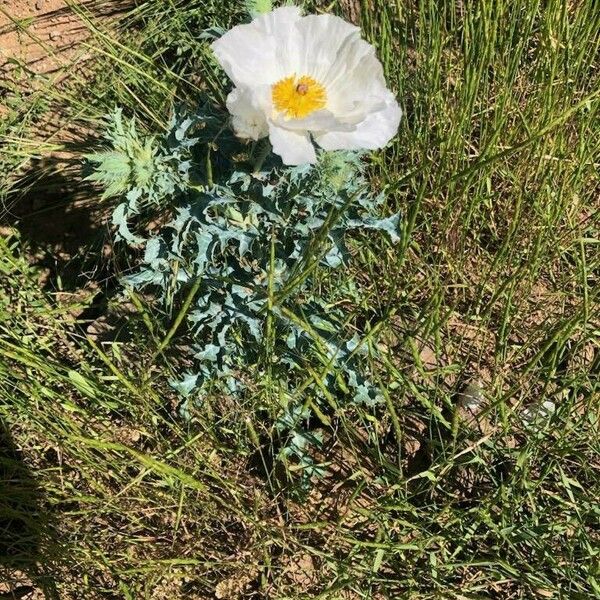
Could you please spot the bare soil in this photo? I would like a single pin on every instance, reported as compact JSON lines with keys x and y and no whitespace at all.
{"x":38,"y":34}
{"x":42,"y":37}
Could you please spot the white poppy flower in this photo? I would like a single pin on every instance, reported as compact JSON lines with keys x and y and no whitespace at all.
{"x":298,"y":78}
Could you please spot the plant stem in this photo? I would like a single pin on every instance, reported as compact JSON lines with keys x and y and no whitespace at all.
{"x":180,"y":317}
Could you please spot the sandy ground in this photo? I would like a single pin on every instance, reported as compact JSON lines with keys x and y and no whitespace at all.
{"x":41,"y":40}
{"x":39,"y":34}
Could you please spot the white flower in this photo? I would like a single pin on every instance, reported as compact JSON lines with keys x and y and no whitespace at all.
{"x":300,"y":77}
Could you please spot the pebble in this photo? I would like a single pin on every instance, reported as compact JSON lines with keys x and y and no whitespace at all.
{"x":39,"y":4}
{"x":539,"y":414}
{"x":472,"y":396}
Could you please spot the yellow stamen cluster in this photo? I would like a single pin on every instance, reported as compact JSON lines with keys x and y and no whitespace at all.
{"x":299,"y":97}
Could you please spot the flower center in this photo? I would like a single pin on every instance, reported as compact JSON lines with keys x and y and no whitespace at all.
{"x":297,"y":97}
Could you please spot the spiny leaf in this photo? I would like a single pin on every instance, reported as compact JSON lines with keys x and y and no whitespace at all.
{"x":246,"y":238}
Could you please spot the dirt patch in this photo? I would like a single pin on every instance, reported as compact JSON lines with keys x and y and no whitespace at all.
{"x":40,"y":37}
{"x":19,"y":586}
{"x":42,"y":48}
{"x":351,"y":10}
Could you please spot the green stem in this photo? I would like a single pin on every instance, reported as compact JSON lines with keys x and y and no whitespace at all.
{"x":264,"y":150}
{"x":180,"y":317}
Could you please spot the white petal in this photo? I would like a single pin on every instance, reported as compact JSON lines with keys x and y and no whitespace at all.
{"x":294,"y":147}
{"x":374,"y":132}
{"x":248,"y":117}
{"x":361,"y":113}
{"x":316,"y":42}
{"x":354,"y":57}
{"x":358,"y":90}
{"x":322,"y":120}
{"x":246,"y":55}
{"x":278,"y":19}
{"x":248,"y":52}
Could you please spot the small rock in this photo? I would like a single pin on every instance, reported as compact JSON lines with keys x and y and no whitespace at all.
{"x":472,"y":397}
{"x":39,"y":5}
{"x":538,"y":414}
{"x":471,"y":403}
{"x":55,"y":35}
{"x":301,"y":571}
{"x":428,"y":357}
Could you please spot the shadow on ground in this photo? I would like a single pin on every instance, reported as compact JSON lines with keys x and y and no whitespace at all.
{"x":60,"y":220}
{"x":25,"y":529}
